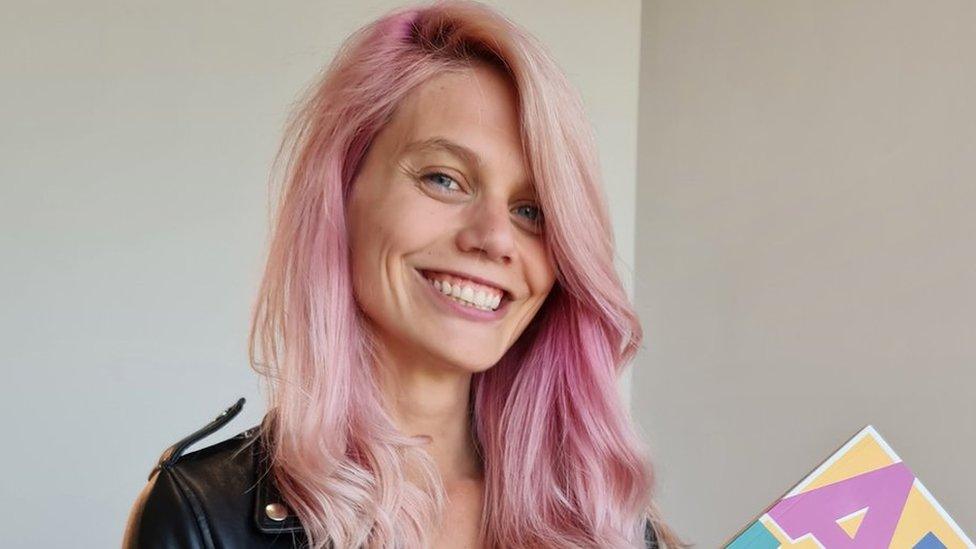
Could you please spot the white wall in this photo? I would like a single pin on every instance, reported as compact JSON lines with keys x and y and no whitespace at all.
{"x":805,"y":255}
{"x":136,"y":142}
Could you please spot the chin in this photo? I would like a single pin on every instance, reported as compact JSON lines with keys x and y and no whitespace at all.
{"x":473,"y":364}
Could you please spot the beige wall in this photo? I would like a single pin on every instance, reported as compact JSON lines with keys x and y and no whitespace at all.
{"x":136,"y":140}
{"x":805,"y":254}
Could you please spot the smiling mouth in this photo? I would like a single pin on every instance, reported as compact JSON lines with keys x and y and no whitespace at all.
{"x":466,"y":292}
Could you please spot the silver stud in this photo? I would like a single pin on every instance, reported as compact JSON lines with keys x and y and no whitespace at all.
{"x":276,"y":511}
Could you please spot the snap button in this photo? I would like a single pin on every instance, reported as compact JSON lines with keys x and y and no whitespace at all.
{"x":276,"y":511}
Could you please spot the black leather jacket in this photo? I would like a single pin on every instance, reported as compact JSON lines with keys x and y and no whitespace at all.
{"x":218,"y":497}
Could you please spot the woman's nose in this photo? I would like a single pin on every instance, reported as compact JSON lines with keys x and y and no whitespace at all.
{"x":489,"y":231}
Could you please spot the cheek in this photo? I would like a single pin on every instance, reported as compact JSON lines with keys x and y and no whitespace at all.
{"x":374,"y":224}
{"x":541,"y":269}
{"x":360,"y":261}
{"x":384,"y":231}
{"x":366,"y":240}
{"x":410,"y":222}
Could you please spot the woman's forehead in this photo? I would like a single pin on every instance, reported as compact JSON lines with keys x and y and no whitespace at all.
{"x":471,"y":115}
{"x":469,"y":105}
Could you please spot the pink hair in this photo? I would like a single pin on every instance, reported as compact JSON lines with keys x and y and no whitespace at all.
{"x":563,"y":465}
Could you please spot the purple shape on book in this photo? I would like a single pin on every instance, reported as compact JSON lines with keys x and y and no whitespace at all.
{"x":883,"y":491}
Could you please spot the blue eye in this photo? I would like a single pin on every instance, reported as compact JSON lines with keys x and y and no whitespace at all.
{"x":535,"y":212}
{"x":448,"y":185}
{"x":435,"y":176}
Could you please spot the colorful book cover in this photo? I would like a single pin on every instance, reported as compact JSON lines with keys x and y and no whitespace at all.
{"x":864,"y":497}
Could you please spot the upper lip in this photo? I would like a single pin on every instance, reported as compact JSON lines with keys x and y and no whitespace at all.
{"x":473,"y":278}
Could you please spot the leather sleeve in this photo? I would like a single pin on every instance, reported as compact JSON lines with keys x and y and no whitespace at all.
{"x":163,"y":517}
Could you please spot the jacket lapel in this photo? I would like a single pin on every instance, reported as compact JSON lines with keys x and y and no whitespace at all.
{"x":271,"y":514}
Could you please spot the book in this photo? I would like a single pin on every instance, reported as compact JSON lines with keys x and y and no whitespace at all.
{"x":863,"y":496}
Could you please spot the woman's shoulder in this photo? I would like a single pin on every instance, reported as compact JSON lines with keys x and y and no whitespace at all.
{"x":217,"y":496}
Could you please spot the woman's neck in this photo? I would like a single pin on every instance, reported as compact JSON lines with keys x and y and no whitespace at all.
{"x":434,"y":401}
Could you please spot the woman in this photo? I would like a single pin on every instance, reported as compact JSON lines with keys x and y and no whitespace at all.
{"x":440,"y":322}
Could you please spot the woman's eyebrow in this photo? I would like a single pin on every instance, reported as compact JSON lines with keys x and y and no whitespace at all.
{"x":446,"y":145}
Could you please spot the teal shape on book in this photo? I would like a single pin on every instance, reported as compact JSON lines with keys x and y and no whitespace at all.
{"x":756,"y":537}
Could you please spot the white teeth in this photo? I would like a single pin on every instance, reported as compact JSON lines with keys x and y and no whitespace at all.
{"x":480,"y":299}
{"x":466,"y":295}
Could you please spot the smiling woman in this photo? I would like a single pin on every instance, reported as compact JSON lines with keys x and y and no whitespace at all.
{"x":440,"y":322}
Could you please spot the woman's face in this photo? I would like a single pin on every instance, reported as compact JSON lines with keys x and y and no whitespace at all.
{"x":444,"y":204}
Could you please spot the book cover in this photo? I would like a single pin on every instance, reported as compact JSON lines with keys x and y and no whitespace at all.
{"x":864,"y":496}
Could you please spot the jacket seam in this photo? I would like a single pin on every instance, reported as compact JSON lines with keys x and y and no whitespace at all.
{"x":200,"y":517}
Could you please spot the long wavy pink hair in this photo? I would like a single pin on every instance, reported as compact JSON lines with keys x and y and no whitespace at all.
{"x":563,"y":465}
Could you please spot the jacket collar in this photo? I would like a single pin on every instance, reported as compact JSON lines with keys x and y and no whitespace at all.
{"x":270,"y":513}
